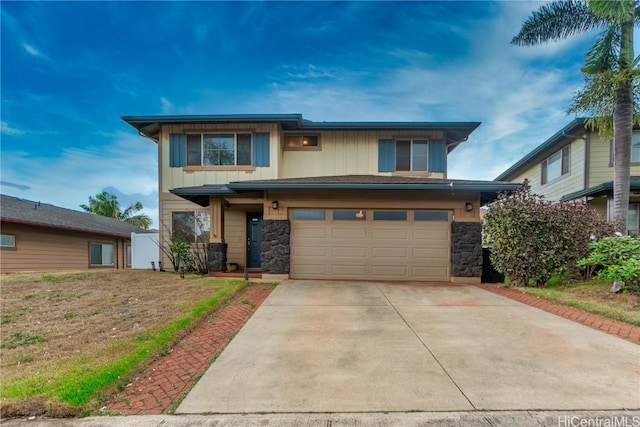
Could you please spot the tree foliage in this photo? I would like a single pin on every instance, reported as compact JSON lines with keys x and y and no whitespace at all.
{"x":106,"y":204}
{"x":532,"y":239}
{"x":618,"y":259}
{"x":611,"y":72}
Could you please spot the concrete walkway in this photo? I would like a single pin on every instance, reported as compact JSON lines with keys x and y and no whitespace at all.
{"x":381,"y":347}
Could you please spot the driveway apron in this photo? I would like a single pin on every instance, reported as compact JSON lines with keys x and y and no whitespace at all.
{"x":319,"y":346}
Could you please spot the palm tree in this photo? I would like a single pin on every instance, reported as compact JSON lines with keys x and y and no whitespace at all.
{"x":609,"y":67}
{"x":106,"y":204}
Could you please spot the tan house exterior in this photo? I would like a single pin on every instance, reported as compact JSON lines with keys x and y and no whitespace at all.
{"x":288,"y":197}
{"x":576,"y":164}
{"x":41,"y":237}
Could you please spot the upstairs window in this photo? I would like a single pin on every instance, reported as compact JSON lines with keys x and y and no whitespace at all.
{"x":556,"y":165}
{"x":635,"y":147}
{"x":219,"y":149}
{"x":302,"y":142}
{"x":412,"y":155}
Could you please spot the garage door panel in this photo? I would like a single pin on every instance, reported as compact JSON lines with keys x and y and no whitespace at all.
{"x":389,"y":252}
{"x":309,"y":270}
{"x":348,"y":252}
{"x":310,"y":251}
{"x":438,"y":253}
{"x":368,"y":249}
{"x":349,"y":270}
{"x":390,"y":271}
{"x":309,"y":233}
{"x":430,"y":234}
{"x":348,"y":233}
{"x":390,"y":233}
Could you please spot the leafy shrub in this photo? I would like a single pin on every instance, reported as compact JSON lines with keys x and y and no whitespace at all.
{"x":532,"y":239}
{"x":619,"y":258}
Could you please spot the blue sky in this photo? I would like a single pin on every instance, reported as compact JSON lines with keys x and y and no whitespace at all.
{"x":69,"y":70}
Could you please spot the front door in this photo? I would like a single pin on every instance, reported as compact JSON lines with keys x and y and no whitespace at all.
{"x":254,"y":239}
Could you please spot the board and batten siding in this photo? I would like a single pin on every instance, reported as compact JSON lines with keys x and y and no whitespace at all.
{"x":235,"y":236}
{"x":45,"y":249}
{"x":177,"y":177}
{"x":554,"y":190}
{"x":344,"y":153}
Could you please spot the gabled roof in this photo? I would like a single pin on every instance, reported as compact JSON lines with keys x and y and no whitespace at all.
{"x":149,"y":126}
{"x":488,"y":189}
{"x":546,"y":148}
{"x":20,"y":211}
{"x":600,"y":190}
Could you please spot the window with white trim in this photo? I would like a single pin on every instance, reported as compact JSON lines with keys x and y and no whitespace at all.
{"x":556,"y":165}
{"x":219,"y":149}
{"x":633,"y":219}
{"x":101,"y":255}
{"x":193,"y":227}
{"x":7,"y":241}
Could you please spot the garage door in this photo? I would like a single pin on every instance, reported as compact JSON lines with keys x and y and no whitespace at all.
{"x":370,"y":244}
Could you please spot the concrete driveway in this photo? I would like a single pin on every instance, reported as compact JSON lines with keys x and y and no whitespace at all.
{"x":317,"y":346}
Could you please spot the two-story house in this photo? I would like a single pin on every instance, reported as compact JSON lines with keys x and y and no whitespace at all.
{"x":576,"y":164}
{"x":320,"y":200}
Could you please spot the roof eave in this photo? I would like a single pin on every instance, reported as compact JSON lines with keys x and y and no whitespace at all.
{"x":64,"y":227}
{"x":558,"y":137}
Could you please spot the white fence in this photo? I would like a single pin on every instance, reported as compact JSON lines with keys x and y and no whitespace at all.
{"x":144,"y":249}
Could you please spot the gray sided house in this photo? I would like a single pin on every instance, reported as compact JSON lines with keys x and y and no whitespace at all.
{"x":37,"y":236}
{"x":293,"y":198}
{"x":576,"y":164}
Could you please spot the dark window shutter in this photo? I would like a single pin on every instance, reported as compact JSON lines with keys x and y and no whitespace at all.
{"x":437,"y":155}
{"x":177,"y":150}
{"x":261,"y":149}
{"x":565,"y":160}
{"x":386,"y":155}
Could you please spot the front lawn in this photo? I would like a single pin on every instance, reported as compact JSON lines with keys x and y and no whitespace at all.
{"x":68,"y":341}
{"x":593,"y":296}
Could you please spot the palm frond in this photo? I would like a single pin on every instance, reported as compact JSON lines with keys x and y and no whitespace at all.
{"x":603,"y":55}
{"x":617,"y":11}
{"x":558,"y":20}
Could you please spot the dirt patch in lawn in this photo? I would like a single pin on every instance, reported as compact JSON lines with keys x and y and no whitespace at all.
{"x":49,"y":318}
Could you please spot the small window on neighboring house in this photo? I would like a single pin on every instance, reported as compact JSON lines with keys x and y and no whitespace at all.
{"x":635,"y":148}
{"x":302,"y":142}
{"x":555,"y":165}
{"x":633,"y":219}
{"x":128,"y":249}
{"x":7,"y":241}
{"x":101,"y":254}
{"x":191,"y":226}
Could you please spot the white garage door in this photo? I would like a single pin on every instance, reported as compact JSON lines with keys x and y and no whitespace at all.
{"x":370,"y":244}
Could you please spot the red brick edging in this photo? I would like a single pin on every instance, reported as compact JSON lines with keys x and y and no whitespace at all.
{"x":164,"y":383}
{"x":620,"y":329}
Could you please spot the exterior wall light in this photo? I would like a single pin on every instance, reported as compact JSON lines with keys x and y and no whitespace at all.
{"x":274,"y":204}
{"x":468,"y":206}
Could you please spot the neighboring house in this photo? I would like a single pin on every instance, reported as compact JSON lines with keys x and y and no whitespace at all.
{"x":320,"y":200}
{"x":576,"y":164}
{"x":40,"y":237}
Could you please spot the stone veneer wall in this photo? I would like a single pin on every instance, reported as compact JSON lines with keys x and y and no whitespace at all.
{"x":217,"y":256}
{"x":276,"y":250}
{"x":466,"y":249}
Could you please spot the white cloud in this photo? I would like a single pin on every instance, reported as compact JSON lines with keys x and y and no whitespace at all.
{"x":128,"y":165}
{"x":8,"y":130}
{"x":166,"y":105}
{"x":32,"y":50}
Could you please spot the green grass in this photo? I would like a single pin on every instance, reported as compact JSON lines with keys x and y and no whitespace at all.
{"x":81,"y":380}
{"x":592,"y":296}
